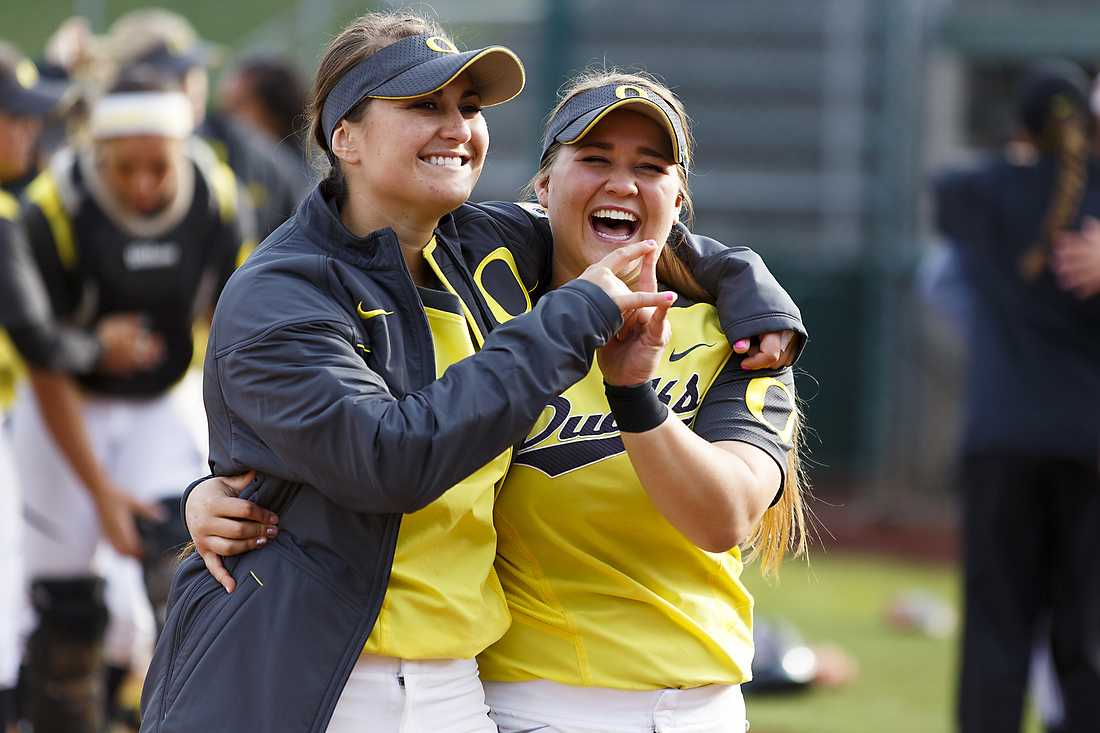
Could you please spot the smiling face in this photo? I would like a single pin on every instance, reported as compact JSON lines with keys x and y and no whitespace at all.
{"x":415,"y":158}
{"x":617,"y":185}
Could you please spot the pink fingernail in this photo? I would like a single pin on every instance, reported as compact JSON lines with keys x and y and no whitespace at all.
{"x":670,"y":297}
{"x":271,"y":531}
{"x":261,"y":541}
{"x":741,"y":344}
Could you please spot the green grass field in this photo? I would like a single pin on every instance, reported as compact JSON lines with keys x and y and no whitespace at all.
{"x":906,"y":681}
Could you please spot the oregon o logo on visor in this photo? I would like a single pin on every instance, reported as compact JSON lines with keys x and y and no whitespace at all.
{"x":441,"y":44}
{"x":26,"y":73}
{"x":625,"y":90}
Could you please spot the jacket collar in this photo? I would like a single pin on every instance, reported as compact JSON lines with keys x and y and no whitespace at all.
{"x":379,"y":249}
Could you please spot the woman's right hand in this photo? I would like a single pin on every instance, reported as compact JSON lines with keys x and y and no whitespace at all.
{"x":223,"y":525}
{"x":634,"y":355}
{"x":626,"y":261}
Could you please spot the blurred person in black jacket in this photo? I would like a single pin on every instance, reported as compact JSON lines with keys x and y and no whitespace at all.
{"x":266,"y":93}
{"x":1031,"y":490}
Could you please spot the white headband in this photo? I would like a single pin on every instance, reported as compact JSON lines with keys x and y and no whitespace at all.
{"x":166,"y":114}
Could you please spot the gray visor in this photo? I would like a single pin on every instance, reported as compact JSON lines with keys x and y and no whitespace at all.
{"x":419,"y":65}
{"x":585,"y":110}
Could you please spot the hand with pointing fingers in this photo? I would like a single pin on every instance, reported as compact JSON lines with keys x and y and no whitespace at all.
{"x":632,"y":357}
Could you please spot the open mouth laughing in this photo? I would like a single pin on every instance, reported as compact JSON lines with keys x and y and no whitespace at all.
{"x":613,"y":224}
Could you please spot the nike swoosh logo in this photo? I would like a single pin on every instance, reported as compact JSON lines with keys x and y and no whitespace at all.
{"x":531,"y":730}
{"x":676,"y":357}
{"x":365,"y":315}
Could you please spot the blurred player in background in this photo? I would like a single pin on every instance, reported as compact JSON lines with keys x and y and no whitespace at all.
{"x":266,"y":93}
{"x":275,"y":182}
{"x":135,"y":221}
{"x":24,"y":101}
{"x":1031,"y":490}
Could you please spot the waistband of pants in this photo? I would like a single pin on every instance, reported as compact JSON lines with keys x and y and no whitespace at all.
{"x":543,"y":698}
{"x":373,"y":664}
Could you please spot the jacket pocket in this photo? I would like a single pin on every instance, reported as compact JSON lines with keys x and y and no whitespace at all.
{"x":272,"y":655}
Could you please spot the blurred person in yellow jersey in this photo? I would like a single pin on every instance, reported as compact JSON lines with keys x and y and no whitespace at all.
{"x":618,"y":525}
{"x":32,"y":340}
{"x":131,"y":221}
{"x":24,"y":101}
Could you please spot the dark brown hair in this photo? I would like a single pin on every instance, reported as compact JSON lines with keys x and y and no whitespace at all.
{"x":364,"y":36}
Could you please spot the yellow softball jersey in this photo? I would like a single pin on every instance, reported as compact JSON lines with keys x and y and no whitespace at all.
{"x":603,"y":590}
{"x":444,"y":600}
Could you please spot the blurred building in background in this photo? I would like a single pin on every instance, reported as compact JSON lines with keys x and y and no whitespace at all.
{"x":817,"y":124}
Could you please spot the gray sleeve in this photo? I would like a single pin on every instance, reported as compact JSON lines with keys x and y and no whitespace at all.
{"x":749,"y":299}
{"x":758,"y":408}
{"x":329,"y":421}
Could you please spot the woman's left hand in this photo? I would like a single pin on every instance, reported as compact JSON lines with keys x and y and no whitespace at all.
{"x":772,"y":350}
{"x":634,"y":353}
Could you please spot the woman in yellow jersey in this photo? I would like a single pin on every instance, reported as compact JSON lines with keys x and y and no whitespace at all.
{"x":619,"y":525}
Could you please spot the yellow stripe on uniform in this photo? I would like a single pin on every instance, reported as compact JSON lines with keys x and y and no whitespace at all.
{"x":247,"y":248}
{"x":44,"y":193}
{"x":429,"y":255}
{"x":9,"y":206}
{"x":11,"y":371}
{"x":224,"y":184}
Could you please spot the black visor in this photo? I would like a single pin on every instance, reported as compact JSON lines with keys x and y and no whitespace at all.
{"x":23,"y":93}
{"x":419,"y":65}
{"x":585,"y":110}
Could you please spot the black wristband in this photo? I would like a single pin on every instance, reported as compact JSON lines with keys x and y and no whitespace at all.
{"x":637,"y":408}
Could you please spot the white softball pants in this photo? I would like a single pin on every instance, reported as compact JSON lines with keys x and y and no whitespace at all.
{"x":13,"y":613}
{"x":390,"y":695}
{"x":151,"y":447}
{"x":550,"y":707}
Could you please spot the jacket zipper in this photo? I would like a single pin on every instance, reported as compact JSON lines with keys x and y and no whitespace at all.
{"x":361,"y":639}
{"x":176,"y":641}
